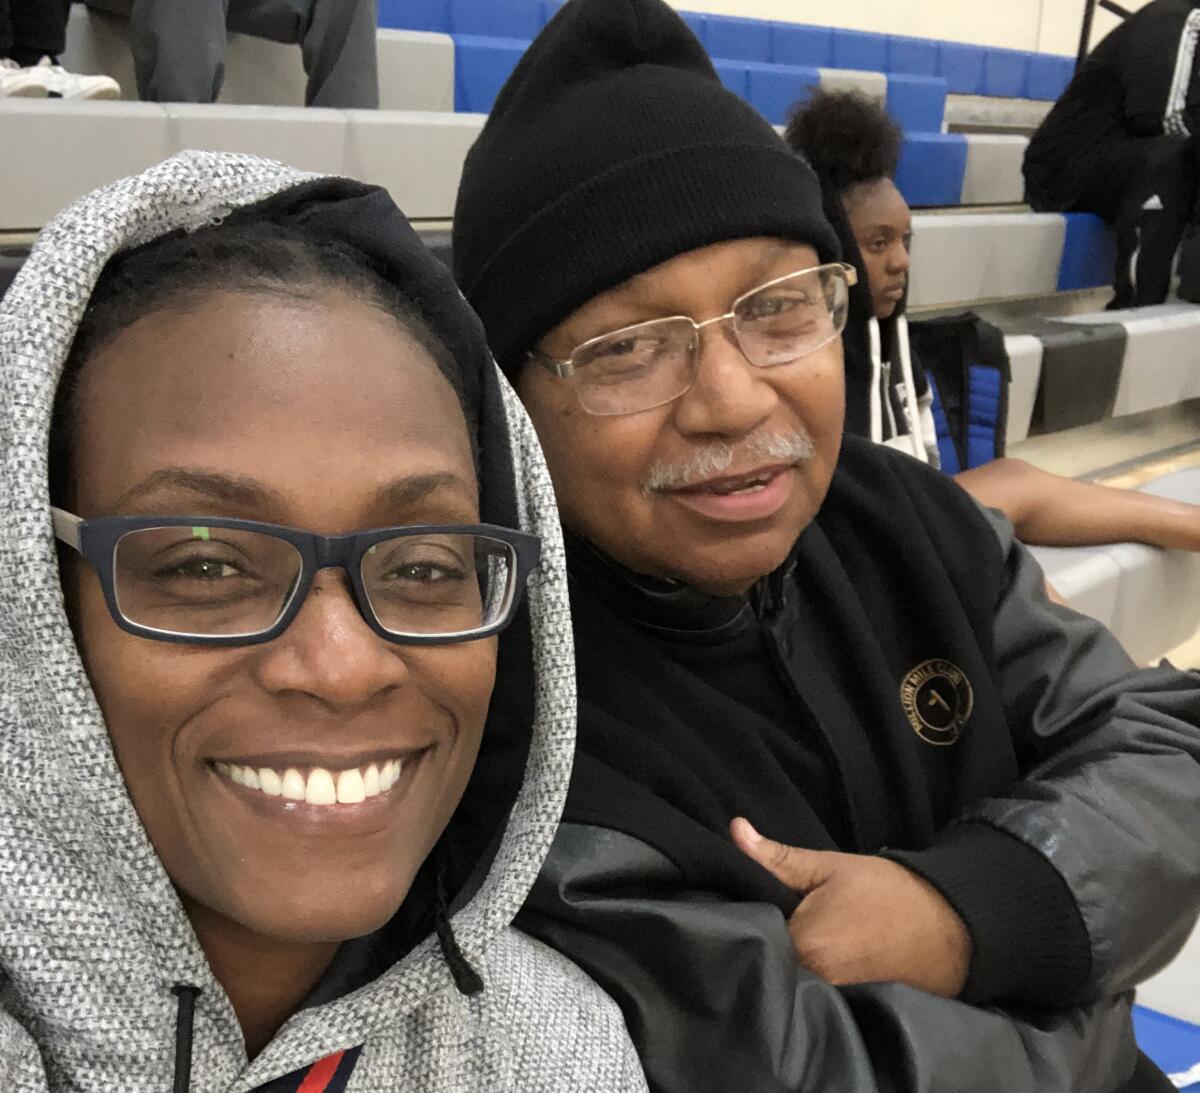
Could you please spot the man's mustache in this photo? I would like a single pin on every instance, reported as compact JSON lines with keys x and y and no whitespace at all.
{"x":715,"y":459}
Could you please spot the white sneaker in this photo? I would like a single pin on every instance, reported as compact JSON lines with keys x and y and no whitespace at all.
{"x":61,"y":84}
{"x":18,"y":82}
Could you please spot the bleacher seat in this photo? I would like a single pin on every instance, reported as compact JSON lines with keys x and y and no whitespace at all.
{"x":481,"y":67}
{"x":417,"y":156}
{"x":993,"y":170}
{"x":969,"y":257}
{"x":1025,"y":360}
{"x":1162,"y":358}
{"x":1149,"y":598}
{"x":1082,"y":366}
{"x":1089,"y":253}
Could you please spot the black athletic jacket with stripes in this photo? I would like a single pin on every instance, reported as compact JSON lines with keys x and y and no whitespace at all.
{"x":1140,"y":81}
{"x":906,"y":673}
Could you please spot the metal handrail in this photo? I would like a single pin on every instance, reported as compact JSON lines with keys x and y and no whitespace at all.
{"x":1089,"y":15}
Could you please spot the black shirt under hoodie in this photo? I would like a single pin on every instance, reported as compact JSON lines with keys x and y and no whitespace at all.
{"x":786,"y":706}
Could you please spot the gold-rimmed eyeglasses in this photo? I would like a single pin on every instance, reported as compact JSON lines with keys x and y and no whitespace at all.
{"x":649,"y":364}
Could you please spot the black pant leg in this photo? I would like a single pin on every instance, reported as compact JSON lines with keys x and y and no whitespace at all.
{"x":1152,"y":191}
{"x":39,"y":29}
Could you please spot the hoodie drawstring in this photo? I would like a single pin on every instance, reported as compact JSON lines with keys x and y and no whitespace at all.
{"x":466,"y":978}
{"x":876,"y":407}
{"x":185,"y":1016}
{"x":910,"y":390}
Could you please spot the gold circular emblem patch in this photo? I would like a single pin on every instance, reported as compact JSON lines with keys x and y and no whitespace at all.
{"x":938,"y":700}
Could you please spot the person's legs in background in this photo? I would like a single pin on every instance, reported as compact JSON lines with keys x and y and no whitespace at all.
{"x":178,"y":47}
{"x":1156,"y":207}
{"x":337,"y":42}
{"x":32,"y":35}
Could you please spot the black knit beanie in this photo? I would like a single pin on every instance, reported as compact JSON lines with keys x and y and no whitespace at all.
{"x":613,"y":148}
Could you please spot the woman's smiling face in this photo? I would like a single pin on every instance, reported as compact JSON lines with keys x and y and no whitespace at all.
{"x":321,"y":414}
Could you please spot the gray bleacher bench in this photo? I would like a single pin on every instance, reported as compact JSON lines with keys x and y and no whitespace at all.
{"x":1149,"y":598}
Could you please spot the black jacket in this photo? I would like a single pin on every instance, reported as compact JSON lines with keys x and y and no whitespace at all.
{"x":1002,"y":796}
{"x":1141,"y":81}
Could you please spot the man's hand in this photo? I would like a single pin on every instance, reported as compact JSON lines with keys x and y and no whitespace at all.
{"x":865,"y":919}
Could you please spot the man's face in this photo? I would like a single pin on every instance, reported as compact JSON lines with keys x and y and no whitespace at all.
{"x":642,"y":486}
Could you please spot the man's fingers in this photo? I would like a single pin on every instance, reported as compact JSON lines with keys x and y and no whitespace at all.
{"x":800,"y":870}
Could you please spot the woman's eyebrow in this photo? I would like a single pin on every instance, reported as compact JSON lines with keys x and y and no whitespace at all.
{"x":404,"y":493}
{"x":231,"y":489}
{"x":247,"y":493}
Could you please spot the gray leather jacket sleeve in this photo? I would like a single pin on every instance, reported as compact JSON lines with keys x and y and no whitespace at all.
{"x":715,"y":1000}
{"x":1113,"y":798}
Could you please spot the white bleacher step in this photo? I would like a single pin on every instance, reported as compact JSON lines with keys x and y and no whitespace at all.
{"x":1149,"y":598}
{"x":1162,"y":358}
{"x":416,"y":156}
{"x":1025,"y":361}
{"x":993,"y":175}
{"x":968,"y":257}
{"x":416,"y":68}
{"x":984,"y":114}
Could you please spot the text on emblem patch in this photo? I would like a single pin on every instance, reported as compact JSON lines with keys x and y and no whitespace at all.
{"x":937,"y":700}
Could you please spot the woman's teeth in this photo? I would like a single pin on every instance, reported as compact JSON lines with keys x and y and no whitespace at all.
{"x":321,"y":786}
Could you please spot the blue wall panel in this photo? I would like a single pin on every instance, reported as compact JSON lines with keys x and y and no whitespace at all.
{"x":774,"y":89}
{"x":861,"y":50}
{"x":1048,"y":76}
{"x":481,"y":66}
{"x":962,"y":67}
{"x":932,"y":166}
{"x":795,"y":44}
{"x":918,"y":103}
{"x":415,"y":15}
{"x":739,"y":39}
{"x":1005,"y":73}
{"x":1089,"y":253}
{"x":912,"y":56}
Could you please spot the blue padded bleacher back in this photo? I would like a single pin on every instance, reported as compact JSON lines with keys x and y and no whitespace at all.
{"x":1089,"y":253}
{"x":739,"y":39}
{"x":796,"y":44}
{"x":1173,"y":1044}
{"x":859,"y":49}
{"x":918,"y":103}
{"x":550,"y":9}
{"x":1005,"y":73}
{"x":932,"y":166}
{"x":481,"y":66}
{"x":774,"y":89}
{"x":1048,"y":76}
{"x":962,"y":67}
{"x":511,"y":19}
{"x":415,"y":15}
{"x":698,"y":23}
{"x":735,"y":75}
{"x":912,"y":56}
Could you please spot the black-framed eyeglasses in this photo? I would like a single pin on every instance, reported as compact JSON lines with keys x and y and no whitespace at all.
{"x":649,"y":364}
{"x":206,"y":580}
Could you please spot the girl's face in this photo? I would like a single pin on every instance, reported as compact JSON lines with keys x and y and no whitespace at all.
{"x":882,"y":225}
{"x":320,"y":414}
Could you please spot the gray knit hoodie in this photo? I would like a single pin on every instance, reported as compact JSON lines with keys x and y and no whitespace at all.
{"x":92,"y":935}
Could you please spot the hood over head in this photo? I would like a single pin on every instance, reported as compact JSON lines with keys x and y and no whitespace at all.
{"x":612,"y":148}
{"x":93,"y":937}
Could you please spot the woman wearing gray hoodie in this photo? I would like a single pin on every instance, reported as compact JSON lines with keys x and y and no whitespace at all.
{"x":264,"y":818}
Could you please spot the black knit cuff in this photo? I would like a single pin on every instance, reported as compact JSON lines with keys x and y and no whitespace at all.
{"x":1030,"y":944}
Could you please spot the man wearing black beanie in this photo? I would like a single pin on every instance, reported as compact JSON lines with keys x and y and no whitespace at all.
{"x":820,"y":638}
